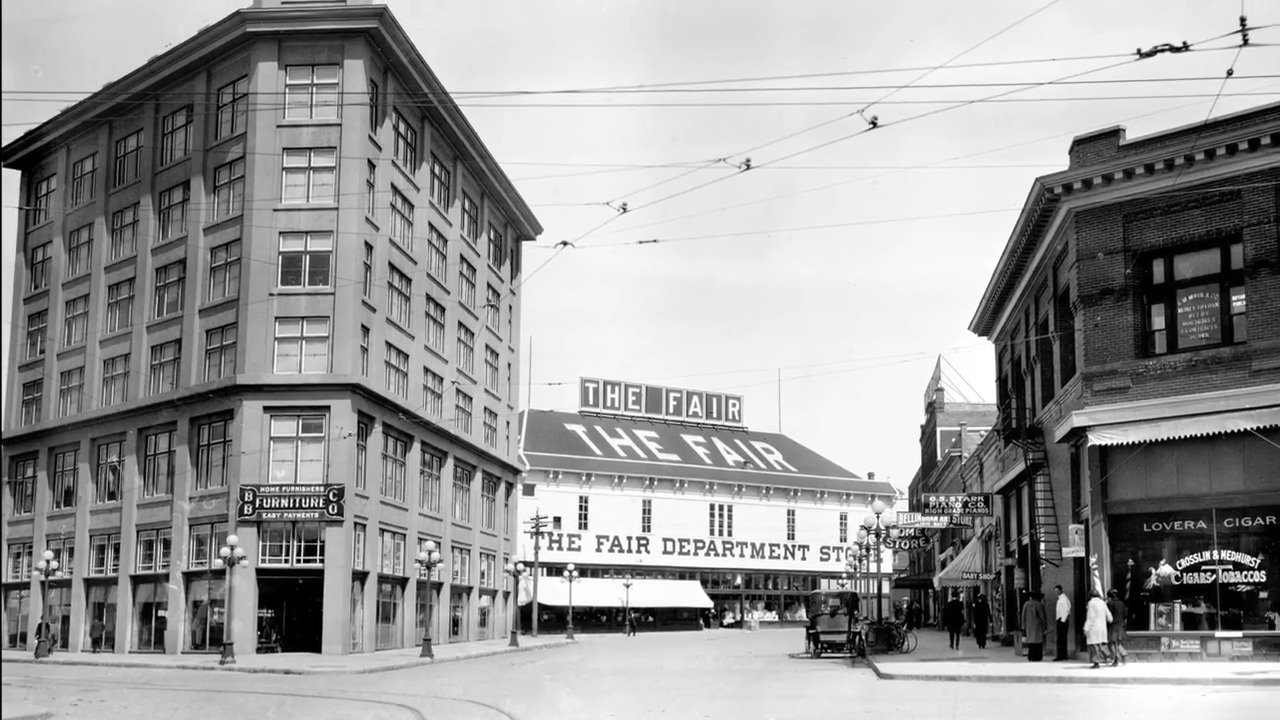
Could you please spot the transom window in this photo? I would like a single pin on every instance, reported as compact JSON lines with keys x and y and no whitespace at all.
{"x":165,"y":358}
{"x":79,"y":250}
{"x":311,"y":92}
{"x":38,"y":266}
{"x":120,"y":305}
{"x":462,"y":404}
{"x":297,"y":449}
{"x":32,"y":402}
{"x":115,"y":380}
{"x":463,"y":475}
{"x":489,"y":485}
{"x":1196,"y":299}
{"x":228,"y":189}
{"x":157,"y":464}
{"x":220,"y":352}
{"x":104,"y":554}
{"x":431,"y":464}
{"x":84,"y":179}
{"x":406,"y":142}
{"x":490,"y":368}
{"x":470,"y":219}
{"x":305,"y":259}
{"x":302,"y":345}
{"x":41,"y":200}
{"x":401,"y":220}
{"x":435,"y":325}
{"x":391,"y":546}
{"x":466,"y":354}
{"x":108,"y":471}
{"x":206,"y":539}
{"x":432,"y":393}
{"x":395,"y":461}
{"x":397,"y":371}
{"x":441,"y":179}
{"x":175,"y":137}
{"x":490,"y":428}
{"x":467,"y":283}
{"x":124,"y":232}
{"x":173,"y":211}
{"x":310,"y":175}
{"x":290,"y":544}
{"x":492,"y":308}
{"x":437,"y":254}
{"x":75,"y":321}
{"x":233,"y":107}
{"x":497,"y":248}
{"x":128,"y":158}
{"x":154,"y":550}
{"x":213,"y":454}
{"x":37,"y":333}
{"x":399,"y":294}
{"x":70,"y":392}
{"x":22,"y":486}
{"x":224,"y":271}
{"x":66,"y":473}
{"x":171,"y":283}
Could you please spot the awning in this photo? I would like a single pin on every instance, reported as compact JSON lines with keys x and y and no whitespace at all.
{"x":611,"y":593}
{"x":1184,"y":427}
{"x":966,"y":570}
{"x":918,"y":581}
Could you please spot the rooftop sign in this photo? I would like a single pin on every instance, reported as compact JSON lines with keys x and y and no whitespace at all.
{"x":663,"y":403}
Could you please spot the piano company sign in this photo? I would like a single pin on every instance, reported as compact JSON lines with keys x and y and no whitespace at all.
{"x":663,"y":403}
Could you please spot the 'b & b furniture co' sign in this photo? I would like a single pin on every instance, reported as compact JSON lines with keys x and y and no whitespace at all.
{"x":261,"y":503}
{"x":969,"y":504}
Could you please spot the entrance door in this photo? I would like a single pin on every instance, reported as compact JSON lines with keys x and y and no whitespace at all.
{"x":290,"y":613}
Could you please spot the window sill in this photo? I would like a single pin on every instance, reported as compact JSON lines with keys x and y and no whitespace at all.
{"x":83,"y":204}
{"x":113,"y":334}
{"x":218,"y":304}
{"x":406,"y":175}
{"x":166,"y":320}
{"x":368,"y":305}
{"x":405,"y":253}
{"x":68,"y":349}
{"x":213,"y":493}
{"x":372,"y":222}
{"x":33,"y":295}
{"x":308,"y":122}
{"x":219,"y":142}
{"x":374,"y":139}
{"x":438,"y":353}
{"x":294,"y":206}
{"x":31,"y":362}
{"x":440,"y":284}
{"x":174,"y":163}
{"x":408,"y":334}
{"x":119,"y":262}
{"x":493,"y":332}
{"x":467,"y":375}
{"x":219,"y":222}
{"x":301,"y":291}
{"x":125,"y":185}
{"x":469,"y":309}
{"x":443,"y":215}
{"x":160,"y":245}
{"x":37,"y":226}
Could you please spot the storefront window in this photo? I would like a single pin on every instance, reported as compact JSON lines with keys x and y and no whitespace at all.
{"x":206,"y":610}
{"x":17,"y":608}
{"x":100,"y":605}
{"x":390,"y":601}
{"x":458,"y":616}
{"x":1198,"y":570}
{"x":486,"y":605}
{"x":357,"y":612}
{"x":60,"y":612}
{"x":150,"y":614}
{"x":420,"y":608}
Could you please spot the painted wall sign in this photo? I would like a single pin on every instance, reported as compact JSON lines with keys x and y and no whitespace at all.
{"x":678,"y":445}
{"x":1215,"y":565}
{"x":1199,"y":316}
{"x":668,"y":549}
{"x":655,"y":401}
{"x":965,"y":504}
{"x":1180,"y":644}
{"x":263,"y":503}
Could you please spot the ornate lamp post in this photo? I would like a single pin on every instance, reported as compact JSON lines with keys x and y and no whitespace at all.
{"x":48,"y":568}
{"x":879,"y":526}
{"x":571,"y":577}
{"x":229,"y":556}
{"x":626,"y":609}
{"x":515,"y":570}
{"x":428,"y":559}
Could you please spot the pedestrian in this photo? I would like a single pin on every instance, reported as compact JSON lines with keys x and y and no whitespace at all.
{"x":981,"y":620}
{"x":631,"y":623}
{"x":953,"y":618}
{"x":1116,"y":634}
{"x":44,"y":633}
{"x":96,"y":630}
{"x":916,"y":614}
{"x":1062,"y":617}
{"x":1095,"y":627}
{"x":1033,"y":622}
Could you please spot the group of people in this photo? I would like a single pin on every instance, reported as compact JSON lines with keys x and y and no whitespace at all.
{"x":953,"y":620}
{"x":1104,"y":627}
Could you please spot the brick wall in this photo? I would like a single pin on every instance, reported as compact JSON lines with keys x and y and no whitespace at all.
{"x":1109,"y":145}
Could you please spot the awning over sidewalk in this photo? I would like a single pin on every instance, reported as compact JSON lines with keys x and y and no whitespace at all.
{"x":918,"y":581}
{"x":965,"y":570}
{"x":1184,"y":427}
{"x":611,"y":593}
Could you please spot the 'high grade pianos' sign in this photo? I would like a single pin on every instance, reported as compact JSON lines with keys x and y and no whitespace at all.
{"x":653,"y":401}
{"x":965,"y":504}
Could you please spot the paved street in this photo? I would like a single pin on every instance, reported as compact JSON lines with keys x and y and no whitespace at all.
{"x":718,"y":674}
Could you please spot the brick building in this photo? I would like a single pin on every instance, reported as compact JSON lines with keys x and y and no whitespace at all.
{"x":1135,"y":313}
{"x":267,"y":284}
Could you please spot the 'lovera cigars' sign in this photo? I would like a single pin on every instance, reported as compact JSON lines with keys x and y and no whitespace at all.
{"x":654,"y":401}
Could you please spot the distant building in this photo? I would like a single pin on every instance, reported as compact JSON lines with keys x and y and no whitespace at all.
{"x":266,"y":285}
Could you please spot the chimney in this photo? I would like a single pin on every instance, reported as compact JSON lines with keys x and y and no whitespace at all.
{"x":939,"y":399}
{"x":1096,"y":147}
{"x":964,"y":440}
{"x":871,"y":476}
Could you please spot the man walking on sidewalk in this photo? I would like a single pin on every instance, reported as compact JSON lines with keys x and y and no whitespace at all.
{"x":1062,"y":615}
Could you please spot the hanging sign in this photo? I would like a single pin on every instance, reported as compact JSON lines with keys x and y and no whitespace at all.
{"x":975,"y":575}
{"x":262,"y":503}
{"x":908,"y":540}
{"x":935,"y":522}
{"x":966,"y":504}
{"x":1075,"y":542}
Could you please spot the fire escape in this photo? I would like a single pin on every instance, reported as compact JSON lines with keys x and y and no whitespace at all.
{"x":1018,"y":428}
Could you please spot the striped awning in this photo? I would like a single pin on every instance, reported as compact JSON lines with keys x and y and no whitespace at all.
{"x":1184,"y":427}
{"x":967,"y":569}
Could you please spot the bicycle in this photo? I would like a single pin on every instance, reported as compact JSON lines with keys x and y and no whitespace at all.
{"x":899,"y":638}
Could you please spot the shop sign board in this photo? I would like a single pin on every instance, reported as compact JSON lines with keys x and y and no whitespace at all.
{"x":1180,"y":644}
{"x":1239,"y":647}
{"x":263,"y":503}
{"x":1019,"y":578}
{"x":910,"y":539}
{"x":1075,"y":542}
{"x":964,"y":504}
{"x":935,"y":522}
{"x":975,"y":575}
{"x":654,"y":401}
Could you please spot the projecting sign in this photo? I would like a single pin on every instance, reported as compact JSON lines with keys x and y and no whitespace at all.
{"x":968,"y":504}
{"x":910,"y":539}
{"x":975,"y":575}
{"x":934,"y":522}
{"x":262,"y":503}
{"x":653,"y":401}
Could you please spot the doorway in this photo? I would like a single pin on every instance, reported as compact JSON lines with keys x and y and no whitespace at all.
{"x":290,"y":613}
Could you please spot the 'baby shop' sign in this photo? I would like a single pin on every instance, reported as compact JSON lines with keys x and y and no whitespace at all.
{"x":698,"y":551}
{"x":1230,"y":567}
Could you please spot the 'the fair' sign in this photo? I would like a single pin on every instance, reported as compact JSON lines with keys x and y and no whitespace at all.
{"x":653,"y":401}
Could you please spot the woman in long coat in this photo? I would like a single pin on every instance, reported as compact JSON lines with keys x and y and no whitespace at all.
{"x":981,"y":620}
{"x":1116,"y":629}
{"x":1033,"y":622}
{"x":1095,"y":627}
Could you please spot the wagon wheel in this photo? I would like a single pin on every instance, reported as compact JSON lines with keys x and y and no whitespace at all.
{"x":910,"y":644}
{"x":816,"y":650}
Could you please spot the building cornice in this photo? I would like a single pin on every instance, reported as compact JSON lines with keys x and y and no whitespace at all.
{"x":1251,"y":398}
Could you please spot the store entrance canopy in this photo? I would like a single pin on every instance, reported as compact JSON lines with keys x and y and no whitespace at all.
{"x":612,"y":593}
{"x":966,"y":570}
{"x":1176,"y":428}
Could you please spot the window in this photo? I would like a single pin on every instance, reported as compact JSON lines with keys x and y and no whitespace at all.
{"x":37,"y":333}
{"x":462,"y":477}
{"x":75,"y":321}
{"x":646,"y":515}
{"x":70,"y":392}
{"x":490,"y":368}
{"x":432,"y":393}
{"x":124,"y":232}
{"x":489,"y":485}
{"x":104,"y":554}
{"x":203,"y":547}
{"x":228,"y":189}
{"x":364,"y":350}
{"x":305,"y":259}
{"x":362,"y":452}
{"x":66,"y":471}
{"x":371,"y":190}
{"x":154,"y":550}
{"x":461,"y":565}
{"x":164,"y":367}
{"x":490,"y":423}
{"x":467,"y":283}
{"x":435,"y":325}
{"x":108,"y":471}
{"x":310,"y":175}
{"x":1065,"y":328}
{"x":41,"y":200}
{"x":366,"y":279}
{"x":173,"y":211}
{"x":391,"y":553}
{"x":375,"y":104}
{"x":32,"y":402}
{"x":844,"y":527}
{"x":84,"y":179}
{"x":120,"y":305}
{"x":399,"y":294}
{"x":401,"y":220}
{"x":462,"y":411}
{"x":297,"y":449}
{"x":470,"y":219}
{"x":38,"y":266}
{"x":302,"y":345}
{"x":22,"y":486}
{"x":397,"y":371}
{"x":171,"y":281}
{"x":128,"y":158}
{"x":64,"y":551}
{"x":157,"y":467}
{"x":431,"y":462}
{"x":220,"y":352}
{"x":311,"y":92}
{"x":115,"y":380}
{"x":441,"y":179}
{"x":1196,"y":299}
{"x":224,"y":271}
{"x":213,"y":454}
{"x":791,"y":525}
{"x":79,"y":250}
{"x":492,"y":308}
{"x":405,"y":150}
{"x":175,"y":135}
{"x":291,"y":544}
{"x":497,"y":248}
{"x":437,"y":253}
{"x":721,"y":522}
{"x":18,"y":567}
{"x":466,"y":350}
{"x":358,"y":535}
{"x":488,"y":570}
{"x":233,"y":107}
{"x":395,"y":456}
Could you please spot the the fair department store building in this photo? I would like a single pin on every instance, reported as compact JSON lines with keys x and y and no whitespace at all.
{"x":670,"y":487}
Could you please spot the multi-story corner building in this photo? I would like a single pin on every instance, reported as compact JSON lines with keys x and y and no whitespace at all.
{"x":267,"y":285}
{"x":1135,"y":313}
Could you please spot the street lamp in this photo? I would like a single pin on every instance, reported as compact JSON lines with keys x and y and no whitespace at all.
{"x":878,"y":525}
{"x":48,"y":568}
{"x":571,"y":577}
{"x":515,"y":570}
{"x":427,"y":560}
{"x":229,"y":556}
{"x":626,"y":609}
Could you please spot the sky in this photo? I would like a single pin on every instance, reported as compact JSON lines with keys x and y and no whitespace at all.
{"x":821,"y":240}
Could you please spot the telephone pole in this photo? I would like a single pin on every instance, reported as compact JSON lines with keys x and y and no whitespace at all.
{"x":537,"y":526}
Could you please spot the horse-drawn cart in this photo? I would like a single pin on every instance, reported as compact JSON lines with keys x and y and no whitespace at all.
{"x":833,"y":624}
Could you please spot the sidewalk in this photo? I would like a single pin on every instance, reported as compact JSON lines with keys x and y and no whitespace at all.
{"x":297,"y":663}
{"x":933,"y":660}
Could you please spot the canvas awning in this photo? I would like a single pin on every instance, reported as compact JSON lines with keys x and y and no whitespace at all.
{"x":918,"y":581}
{"x":611,"y":593}
{"x":1184,"y":427}
{"x":969,"y":560}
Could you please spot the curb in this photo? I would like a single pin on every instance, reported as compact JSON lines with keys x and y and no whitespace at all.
{"x":31,"y":716}
{"x":1068,"y":679}
{"x":416,"y":662}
